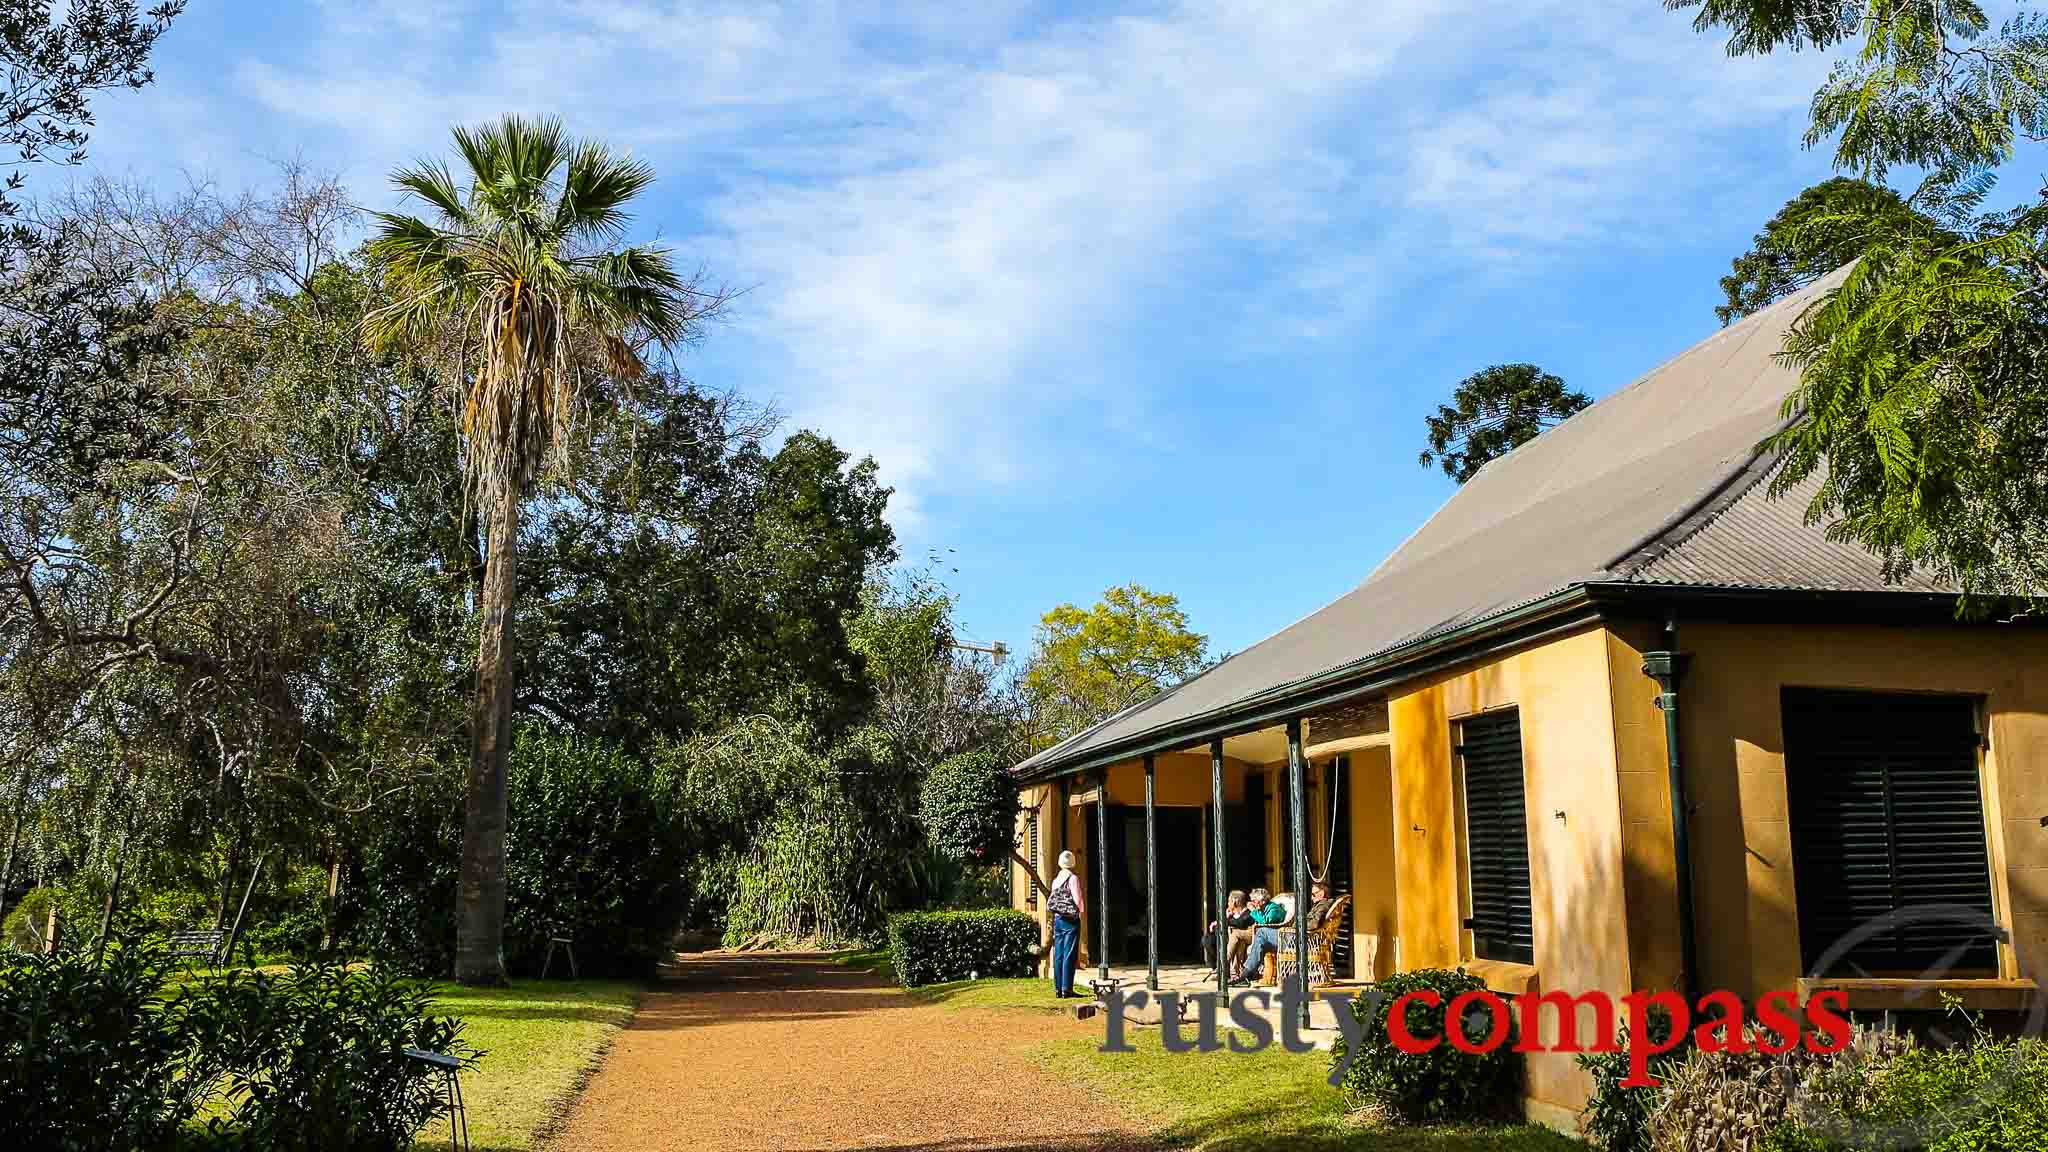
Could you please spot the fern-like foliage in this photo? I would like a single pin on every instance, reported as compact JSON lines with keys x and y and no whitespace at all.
{"x":1921,"y":409}
{"x":1921,"y":403}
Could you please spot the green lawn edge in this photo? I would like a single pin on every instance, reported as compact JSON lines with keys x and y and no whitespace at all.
{"x":542,"y":1042}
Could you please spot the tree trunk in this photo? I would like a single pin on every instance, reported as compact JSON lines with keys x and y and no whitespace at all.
{"x":236,"y":849}
{"x":20,"y":810}
{"x":227,"y":947}
{"x":1017,"y":854}
{"x":99,"y":947}
{"x":480,"y":906}
{"x":333,"y":907}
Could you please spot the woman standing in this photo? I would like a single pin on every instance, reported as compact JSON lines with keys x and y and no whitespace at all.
{"x":1066,"y":908}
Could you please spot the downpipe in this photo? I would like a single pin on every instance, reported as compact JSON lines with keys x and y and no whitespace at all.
{"x":1667,"y":667}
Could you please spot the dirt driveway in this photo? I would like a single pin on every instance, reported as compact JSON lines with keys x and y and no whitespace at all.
{"x":768,"y":1051}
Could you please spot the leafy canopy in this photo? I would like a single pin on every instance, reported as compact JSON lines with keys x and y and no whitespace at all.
{"x":1493,"y":412}
{"x":1089,"y":665}
{"x":1919,"y":427}
{"x":1816,"y":232}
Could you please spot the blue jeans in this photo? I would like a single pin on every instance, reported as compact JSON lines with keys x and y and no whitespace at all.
{"x":1066,"y":948}
{"x":1264,"y":940}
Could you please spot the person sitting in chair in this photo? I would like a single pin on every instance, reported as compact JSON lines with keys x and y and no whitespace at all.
{"x":1266,"y":914}
{"x":1274,"y":939}
{"x":1319,"y":906}
{"x":1237,"y":916}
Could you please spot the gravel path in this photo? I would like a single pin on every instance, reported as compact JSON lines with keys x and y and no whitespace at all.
{"x":788,"y":1051}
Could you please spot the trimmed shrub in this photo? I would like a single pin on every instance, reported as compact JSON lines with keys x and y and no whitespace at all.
{"x":937,"y":947}
{"x":1617,"y":1118}
{"x":86,"y":1059}
{"x":595,"y":851}
{"x":313,"y":1059}
{"x":1443,"y":1084}
{"x":968,"y":805}
{"x":400,"y":901}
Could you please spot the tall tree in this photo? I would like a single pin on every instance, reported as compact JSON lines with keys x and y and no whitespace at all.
{"x":1493,"y":412}
{"x":68,"y":331}
{"x":1089,"y":665}
{"x":519,"y":284}
{"x":1920,"y":405}
{"x":934,"y":698}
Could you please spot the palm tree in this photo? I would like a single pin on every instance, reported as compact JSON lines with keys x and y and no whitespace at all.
{"x":517,"y":280}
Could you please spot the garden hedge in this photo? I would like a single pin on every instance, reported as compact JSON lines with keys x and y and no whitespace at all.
{"x":936,"y":947}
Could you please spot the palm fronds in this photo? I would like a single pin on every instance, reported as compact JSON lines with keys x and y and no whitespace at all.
{"x":516,"y":261}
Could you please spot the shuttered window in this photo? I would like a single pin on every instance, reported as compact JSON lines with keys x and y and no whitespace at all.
{"x":1497,"y":838}
{"x":1886,"y":815}
{"x":1031,"y":854}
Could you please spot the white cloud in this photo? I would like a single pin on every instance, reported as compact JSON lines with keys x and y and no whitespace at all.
{"x":955,"y":217}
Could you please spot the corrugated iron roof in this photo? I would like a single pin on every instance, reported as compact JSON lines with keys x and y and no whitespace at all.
{"x":1660,"y":483}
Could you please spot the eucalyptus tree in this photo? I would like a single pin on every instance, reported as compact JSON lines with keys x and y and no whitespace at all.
{"x":520,"y":287}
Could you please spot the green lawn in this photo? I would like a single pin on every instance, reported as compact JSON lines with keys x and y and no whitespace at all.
{"x":865,"y":959}
{"x":1271,"y":1099}
{"x":540,"y":1040}
{"x":1026,"y":992}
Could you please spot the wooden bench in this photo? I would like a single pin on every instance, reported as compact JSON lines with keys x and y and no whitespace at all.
{"x":204,"y":945}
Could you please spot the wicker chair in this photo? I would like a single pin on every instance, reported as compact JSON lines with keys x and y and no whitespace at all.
{"x":1320,"y":943}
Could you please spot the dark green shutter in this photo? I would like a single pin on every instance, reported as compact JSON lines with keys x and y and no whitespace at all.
{"x":1887,"y":814}
{"x":1497,"y":838}
{"x":1031,"y":854}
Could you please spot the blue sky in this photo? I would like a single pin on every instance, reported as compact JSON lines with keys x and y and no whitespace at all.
{"x":1159,"y":293}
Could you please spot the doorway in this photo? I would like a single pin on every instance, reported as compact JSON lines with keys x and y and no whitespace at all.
{"x":1180,"y":869}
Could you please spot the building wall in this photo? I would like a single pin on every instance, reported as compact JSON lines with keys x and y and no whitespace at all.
{"x":1733,"y":742}
{"x":1599,"y":806}
{"x":1375,"y":898}
{"x":1048,"y":801}
{"x":1643,"y":780}
{"x":1575,"y":829}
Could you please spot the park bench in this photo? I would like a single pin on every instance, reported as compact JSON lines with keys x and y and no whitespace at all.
{"x":202,"y":944}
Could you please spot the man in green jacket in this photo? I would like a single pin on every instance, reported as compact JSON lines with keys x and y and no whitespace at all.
{"x":1266,"y":913}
